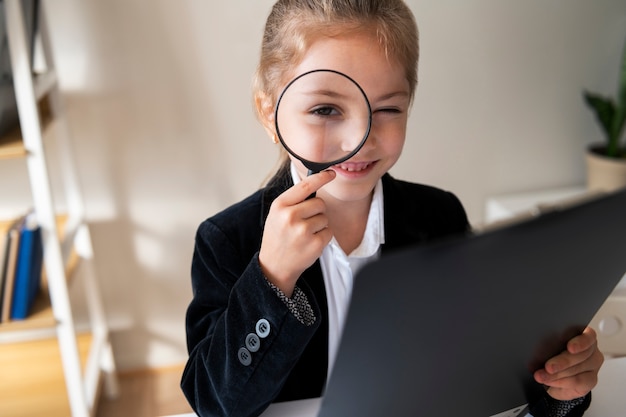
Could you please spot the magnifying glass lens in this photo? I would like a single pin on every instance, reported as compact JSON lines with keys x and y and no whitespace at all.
{"x":323,"y":118}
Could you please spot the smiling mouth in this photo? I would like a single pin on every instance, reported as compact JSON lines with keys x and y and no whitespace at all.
{"x":354,"y":166}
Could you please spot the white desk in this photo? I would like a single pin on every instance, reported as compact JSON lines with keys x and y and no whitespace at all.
{"x":609,"y":396}
{"x":505,"y":206}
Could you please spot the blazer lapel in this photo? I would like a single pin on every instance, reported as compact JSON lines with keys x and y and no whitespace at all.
{"x":399,"y":230}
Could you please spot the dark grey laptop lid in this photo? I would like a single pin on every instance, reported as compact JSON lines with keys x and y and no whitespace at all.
{"x":456,"y":328}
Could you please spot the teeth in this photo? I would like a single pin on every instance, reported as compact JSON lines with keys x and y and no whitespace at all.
{"x":354,"y":167}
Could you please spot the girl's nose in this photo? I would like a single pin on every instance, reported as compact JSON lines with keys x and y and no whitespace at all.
{"x":355,"y":132}
{"x":370,"y":142}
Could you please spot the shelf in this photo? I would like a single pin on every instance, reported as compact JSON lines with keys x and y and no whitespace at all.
{"x":44,"y":83}
{"x":47,"y":339}
{"x":11,"y":144}
{"x":32,"y":382}
{"x":41,"y":315}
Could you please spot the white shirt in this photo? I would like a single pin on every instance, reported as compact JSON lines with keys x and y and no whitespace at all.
{"x":339,"y":269}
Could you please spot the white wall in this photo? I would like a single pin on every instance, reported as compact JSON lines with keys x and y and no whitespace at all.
{"x":158,"y":94}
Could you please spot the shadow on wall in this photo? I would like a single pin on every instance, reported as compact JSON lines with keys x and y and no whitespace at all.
{"x":144,"y":201}
{"x":152,"y":168}
{"x":145,"y":305}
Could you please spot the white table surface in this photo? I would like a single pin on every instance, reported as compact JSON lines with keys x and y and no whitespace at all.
{"x":505,"y":206}
{"x":609,"y":396}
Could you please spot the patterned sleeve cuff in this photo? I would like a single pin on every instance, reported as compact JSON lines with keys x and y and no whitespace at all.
{"x":298,"y":304}
{"x":556,"y":408}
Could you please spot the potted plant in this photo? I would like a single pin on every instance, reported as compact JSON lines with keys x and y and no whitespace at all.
{"x":606,"y":163}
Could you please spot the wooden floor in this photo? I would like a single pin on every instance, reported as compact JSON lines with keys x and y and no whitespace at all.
{"x":32,"y":384}
{"x":31,"y":378}
{"x":146,"y":393}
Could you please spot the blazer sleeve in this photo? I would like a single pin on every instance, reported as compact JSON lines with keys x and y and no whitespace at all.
{"x":231,"y":297}
{"x":546,"y":406}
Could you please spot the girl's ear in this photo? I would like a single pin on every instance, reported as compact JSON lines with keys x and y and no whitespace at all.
{"x":265,"y":110}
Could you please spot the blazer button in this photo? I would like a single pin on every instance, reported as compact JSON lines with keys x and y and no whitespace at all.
{"x":263,"y":328}
{"x":245,"y":357}
{"x":253,"y":343}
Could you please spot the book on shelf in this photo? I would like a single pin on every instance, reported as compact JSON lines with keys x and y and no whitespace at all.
{"x":9,"y":263}
{"x":22,"y":267}
{"x":28,"y":269}
{"x":4,"y":259}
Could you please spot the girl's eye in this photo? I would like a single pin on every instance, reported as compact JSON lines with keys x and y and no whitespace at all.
{"x":324,"y":111}
{"x":389,"y":110}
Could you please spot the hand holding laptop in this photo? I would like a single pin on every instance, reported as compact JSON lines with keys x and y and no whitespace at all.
{"x":461,"y":323}
{"x":574,"y":372}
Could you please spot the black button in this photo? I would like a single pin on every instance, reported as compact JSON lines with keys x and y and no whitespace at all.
{"x":263,"y":328}
{"x":253,"y":343}
{"x":245,"y":357}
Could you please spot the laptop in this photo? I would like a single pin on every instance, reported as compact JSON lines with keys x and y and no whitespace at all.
{"x":457,"y":328}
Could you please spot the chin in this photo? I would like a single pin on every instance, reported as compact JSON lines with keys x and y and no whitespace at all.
{"x":351,"y":193}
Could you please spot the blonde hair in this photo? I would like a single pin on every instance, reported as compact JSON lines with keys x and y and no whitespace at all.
{"x":293,"y":25}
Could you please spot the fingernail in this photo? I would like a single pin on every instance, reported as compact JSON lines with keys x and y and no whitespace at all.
{"x":540,"y":376}
{"x":554,"y":368}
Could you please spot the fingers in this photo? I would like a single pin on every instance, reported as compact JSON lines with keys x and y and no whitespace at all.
{"x":574,"y":372}
{"x":581,"y":354}
{"x":302,"y":215}
{"x":295,"y":233}
{"x":573,"y":387}
{"x":580,"y":343}
{"x":568,"y":365}
{"x":306,"y":187}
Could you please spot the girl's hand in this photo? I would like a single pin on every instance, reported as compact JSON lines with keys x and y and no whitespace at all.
{"x":573,"y":373}
{"x":296,"y":231}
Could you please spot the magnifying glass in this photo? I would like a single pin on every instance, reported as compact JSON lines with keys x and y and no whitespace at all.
{"x":322,"y":118}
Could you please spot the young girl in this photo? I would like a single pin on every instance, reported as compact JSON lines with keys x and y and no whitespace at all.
{"x":272,"y":275}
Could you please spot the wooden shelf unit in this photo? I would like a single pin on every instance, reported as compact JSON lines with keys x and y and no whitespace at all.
{"x":49,"y":331}
{"x":11,"y":143}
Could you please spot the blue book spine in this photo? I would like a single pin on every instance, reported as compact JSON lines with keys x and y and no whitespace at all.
{"x":27,"y":272}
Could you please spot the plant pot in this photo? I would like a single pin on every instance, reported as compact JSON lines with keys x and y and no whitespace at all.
{"x":605,"y":173}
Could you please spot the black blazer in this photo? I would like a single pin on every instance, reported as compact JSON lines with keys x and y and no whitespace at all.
{"x":231,"y":296}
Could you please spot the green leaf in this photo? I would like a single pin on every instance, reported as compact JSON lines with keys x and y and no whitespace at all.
{"x":611,"y":115}
{"x":604,"y":110}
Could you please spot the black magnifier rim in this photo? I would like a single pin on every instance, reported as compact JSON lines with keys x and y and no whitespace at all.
{"x":320,"y":166}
